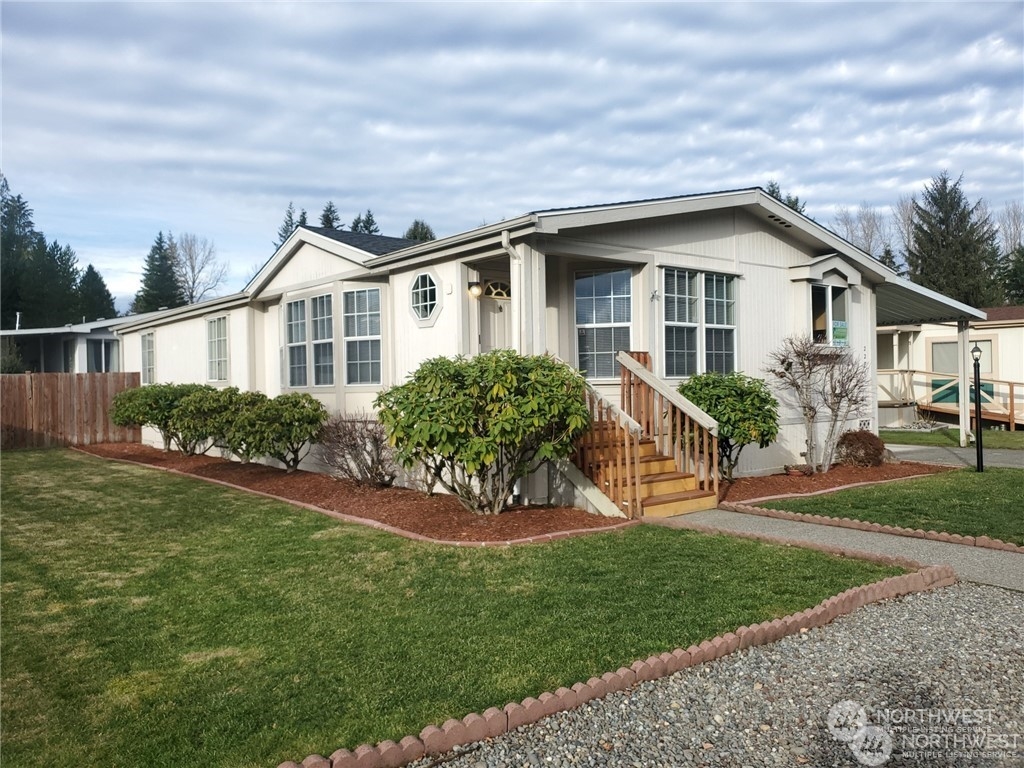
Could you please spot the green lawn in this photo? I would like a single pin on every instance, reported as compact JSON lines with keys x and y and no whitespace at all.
{"x":989,"y":503}
{"x":991,"y":438}
{"x":154,"y":619}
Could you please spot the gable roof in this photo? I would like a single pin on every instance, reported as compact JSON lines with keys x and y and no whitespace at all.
{"x":377,"y":245}
{"x":1002,"y":314}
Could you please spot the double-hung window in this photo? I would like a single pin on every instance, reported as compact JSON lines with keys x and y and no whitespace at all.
{"x":719,"y":323}
{"x":217,"y":349}
{"x":700,"y":322}
{"x":316,"y":344}
{"x":828,"y":315}
{"x":148,"y":359}
{"x":362,"y":336}
{"x":295,"y":335}
{"x":603,"y":320}
{"x":322,"y":312}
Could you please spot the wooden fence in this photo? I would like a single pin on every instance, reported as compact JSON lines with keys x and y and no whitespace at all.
{"x":39,"y":410}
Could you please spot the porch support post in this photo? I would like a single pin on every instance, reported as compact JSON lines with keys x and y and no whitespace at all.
{"x":962,"y":350}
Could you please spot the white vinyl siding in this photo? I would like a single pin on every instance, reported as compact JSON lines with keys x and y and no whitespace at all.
{"x":217,"y":349}
{"x":699,"y":307}
{"x":148,"y":359}
{"x":362,"y":336}
{"x":604,"y":312}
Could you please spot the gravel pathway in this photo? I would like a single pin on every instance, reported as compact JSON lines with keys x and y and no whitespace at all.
{"x":917,"y":660}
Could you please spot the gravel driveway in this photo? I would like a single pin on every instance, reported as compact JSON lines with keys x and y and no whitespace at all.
{"x":920,"y":661}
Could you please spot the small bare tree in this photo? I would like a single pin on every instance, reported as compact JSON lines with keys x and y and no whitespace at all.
{"x":197,"y":267}
{"x":820,"y":380}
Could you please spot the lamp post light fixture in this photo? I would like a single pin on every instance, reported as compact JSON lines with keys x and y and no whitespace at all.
{"x":976,"y":354}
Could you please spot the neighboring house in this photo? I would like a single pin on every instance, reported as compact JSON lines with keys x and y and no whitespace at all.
{"x":917,"y":365}
{"x":701,"y":282}
{"x":73,"y":348}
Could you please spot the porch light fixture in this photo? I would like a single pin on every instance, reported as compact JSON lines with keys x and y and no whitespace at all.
{"x":476,"y":290}
{"x":976,"y":354}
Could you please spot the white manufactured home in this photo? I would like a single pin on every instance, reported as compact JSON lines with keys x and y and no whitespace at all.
{"x":699,"y":282}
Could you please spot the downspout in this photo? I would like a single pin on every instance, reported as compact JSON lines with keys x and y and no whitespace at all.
{"x":519,"y":296}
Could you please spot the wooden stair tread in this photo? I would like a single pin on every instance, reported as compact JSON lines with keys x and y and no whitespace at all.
{"x":662,"y":476}
{"x":668,"y":498}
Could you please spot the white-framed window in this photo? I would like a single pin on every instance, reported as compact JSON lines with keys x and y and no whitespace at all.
{"x":322,"y":317}
{"x":362,"y":336}
{"x":700,"y":322}
{"x":944,"y":356}
{"x":604,"y":312}
{"x":828,"y":315}
{"x":148,"y":359}
{"x":424,"y":296}
{"x":295,"y":337}
{"x":719,"y":323}
{"x":217,"y":349}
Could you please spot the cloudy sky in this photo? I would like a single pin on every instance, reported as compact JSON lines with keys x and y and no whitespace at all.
{"x":123,"y":119}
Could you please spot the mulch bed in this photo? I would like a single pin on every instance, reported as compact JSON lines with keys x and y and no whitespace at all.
{"x":443,"y":517}
{"x":438,"y":517}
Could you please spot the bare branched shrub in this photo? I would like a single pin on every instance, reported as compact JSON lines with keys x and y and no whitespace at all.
{"x":820,"y":380}
{"x":356,"y":448}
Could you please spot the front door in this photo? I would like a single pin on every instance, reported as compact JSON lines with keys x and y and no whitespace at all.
{"x":495,"y":324}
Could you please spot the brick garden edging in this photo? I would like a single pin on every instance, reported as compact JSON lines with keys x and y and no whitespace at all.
{"x":860,"y":525}
{"x":434,"y":740}
{"x":539,"y":539}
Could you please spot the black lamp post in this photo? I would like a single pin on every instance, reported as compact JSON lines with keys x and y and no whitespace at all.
{"x":976,"y":354}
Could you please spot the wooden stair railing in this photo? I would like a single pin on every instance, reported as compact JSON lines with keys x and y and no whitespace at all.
{"x":609,"y":453}
{"x":678,"y":427}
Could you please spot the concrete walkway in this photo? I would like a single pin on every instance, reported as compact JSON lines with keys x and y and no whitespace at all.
{"x":960,"y":457}
{"x":975,"y":564}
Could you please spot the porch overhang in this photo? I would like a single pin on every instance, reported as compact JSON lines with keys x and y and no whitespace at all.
{"x":901,"y":302}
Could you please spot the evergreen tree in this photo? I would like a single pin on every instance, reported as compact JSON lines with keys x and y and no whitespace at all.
{"x":94,"y":298}
{"x":1013,"y":276}
{"x":419,"y":230}
{"x":954,"y":248}
{"x":330,"y":218}
{"x":303,"y":221}
{"x":19,"y":242}
{"x":792,"y":201}
{"x":287,"y":226}
{"x":160,"y":287}
{"x":365,"y":223}
{"x":50,"y":288}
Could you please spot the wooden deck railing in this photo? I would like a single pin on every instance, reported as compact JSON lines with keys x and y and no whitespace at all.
{"x":609,"y":453}
{"x":1001,"y":400}
{"x":679,"y":428}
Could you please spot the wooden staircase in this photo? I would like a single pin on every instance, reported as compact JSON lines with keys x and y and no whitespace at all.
{"x":646,"y":456}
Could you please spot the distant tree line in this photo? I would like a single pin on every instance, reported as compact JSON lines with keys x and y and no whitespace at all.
{"x":177,"y":272}
{"x":41,"y":284}
{"x":940,"y":240}
{"x":330,"y":218}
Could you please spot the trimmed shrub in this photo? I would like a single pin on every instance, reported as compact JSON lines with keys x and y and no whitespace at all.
{"x":356,"y":448}
{"x":744,"y":408}
{"x":153,"y":405}
{"x":479,"y":425}
{"x":237,"y":432}
{"x":283,"y":428}
{"x":860,"y":448}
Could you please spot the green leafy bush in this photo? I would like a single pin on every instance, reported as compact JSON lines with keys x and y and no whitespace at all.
{"x":481,"y":424}
{"x":153,"y":405}
{"x":283,"y":427}
{"x":744,"y":408}
{"x":861,"y":448}
{"x":236,"y":431}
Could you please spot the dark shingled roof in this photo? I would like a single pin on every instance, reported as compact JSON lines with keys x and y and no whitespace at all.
{"x":378,"y":245}
{"x":1004,"y":313}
